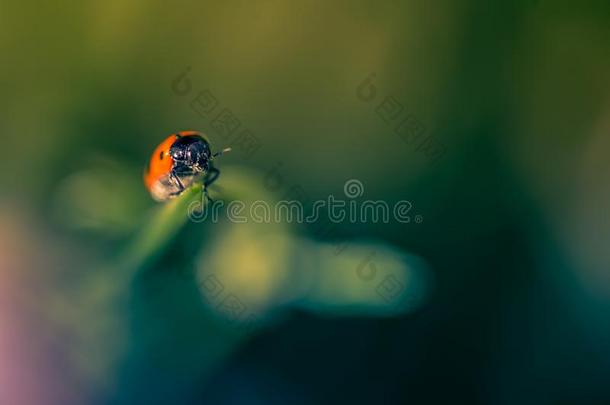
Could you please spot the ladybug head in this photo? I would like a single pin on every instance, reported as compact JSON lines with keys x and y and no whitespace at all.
{"x":192,"y":152}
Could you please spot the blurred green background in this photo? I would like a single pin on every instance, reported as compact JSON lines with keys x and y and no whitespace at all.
{"x":108,"y":297}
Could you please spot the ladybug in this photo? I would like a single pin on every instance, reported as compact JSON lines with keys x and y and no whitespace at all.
{"x":177,"y":162}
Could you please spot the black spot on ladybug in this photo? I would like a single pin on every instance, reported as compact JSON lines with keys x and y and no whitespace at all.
{"x":161,"y":155}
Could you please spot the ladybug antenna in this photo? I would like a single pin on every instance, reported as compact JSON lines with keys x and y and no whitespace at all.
{"x":225,"y":150}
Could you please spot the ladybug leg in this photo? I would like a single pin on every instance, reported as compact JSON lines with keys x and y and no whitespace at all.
{"x":207,"y":195}
{"x":177,"y":182}
{"x":211,"y":176}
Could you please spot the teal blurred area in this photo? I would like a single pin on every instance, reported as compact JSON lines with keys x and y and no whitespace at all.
{"x":491,"y":118}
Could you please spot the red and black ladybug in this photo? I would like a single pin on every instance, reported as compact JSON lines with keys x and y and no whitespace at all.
{"x":177,"y":162}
